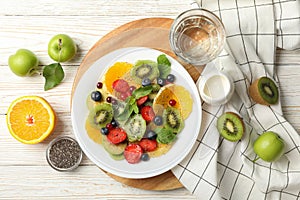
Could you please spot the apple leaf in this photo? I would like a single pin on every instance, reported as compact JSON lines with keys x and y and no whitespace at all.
{"x":53,"y":74}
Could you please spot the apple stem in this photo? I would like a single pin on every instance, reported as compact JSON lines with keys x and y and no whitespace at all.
{"x":256,"y":159}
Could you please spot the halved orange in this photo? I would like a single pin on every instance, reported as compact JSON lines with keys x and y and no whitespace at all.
{"x":30,"y":119}
{"x":180,"y":94}
{"x":117,"y":71}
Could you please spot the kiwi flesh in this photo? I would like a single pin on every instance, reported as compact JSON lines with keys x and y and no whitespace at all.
{"x":231,"y":126}
{"x":264,"y":91}
{"x":101,"y":115}
{"x":135,"y":128}
{"x":172,"y":119}
{"x":144,"y":69}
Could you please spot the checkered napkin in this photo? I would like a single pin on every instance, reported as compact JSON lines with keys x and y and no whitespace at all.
{"x":217,"y":168}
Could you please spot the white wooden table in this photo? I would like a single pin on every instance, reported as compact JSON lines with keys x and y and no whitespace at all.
{"x":24,"y":172}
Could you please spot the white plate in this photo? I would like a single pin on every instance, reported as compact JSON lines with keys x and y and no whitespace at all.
{"x":97,"y":154}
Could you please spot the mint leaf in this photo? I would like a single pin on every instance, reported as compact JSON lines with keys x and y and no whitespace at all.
{"x":53,"y":74}
{"x":142,"y":91}
{"x":135,"y":108}
{"x":130,"y":100}
{"x":164,"y":66}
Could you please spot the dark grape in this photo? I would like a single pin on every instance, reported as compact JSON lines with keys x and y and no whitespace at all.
{"x":146,"y":82}
{"x":104,"y":131}
{"x":171,"y":78}
{"x":145,"y":157}
{"x":161,"y":81}
{"x":158,"y":120}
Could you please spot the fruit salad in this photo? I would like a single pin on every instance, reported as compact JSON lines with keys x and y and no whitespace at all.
{"x":137,"y":110}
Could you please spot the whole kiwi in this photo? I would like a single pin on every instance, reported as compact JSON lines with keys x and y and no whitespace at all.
{"x":264,"y":91}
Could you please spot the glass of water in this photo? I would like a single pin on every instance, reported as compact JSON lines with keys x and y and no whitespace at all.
{"x":197,"y":36}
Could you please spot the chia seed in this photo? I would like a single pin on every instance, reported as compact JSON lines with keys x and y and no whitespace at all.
{"x":64,"y":154}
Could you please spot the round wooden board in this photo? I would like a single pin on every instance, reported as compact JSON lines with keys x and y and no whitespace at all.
{"x":152,"y":33}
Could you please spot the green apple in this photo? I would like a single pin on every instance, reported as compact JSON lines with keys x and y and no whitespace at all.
{"x":62,"y":48}
{"x":269,"y":146}
{"x":23,"y":62}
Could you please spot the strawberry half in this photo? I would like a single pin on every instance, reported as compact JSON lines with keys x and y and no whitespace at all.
{"x":120,"y":85}
{"x":148,"y":145}
{"x":116,"y":135}
{"x":141,"y":100}
{"x":147,"y":113}
{"x":133,"y":153}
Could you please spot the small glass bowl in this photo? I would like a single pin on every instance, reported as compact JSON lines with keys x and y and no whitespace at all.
{"x":55,"y":141}
{"x":197,"y":36}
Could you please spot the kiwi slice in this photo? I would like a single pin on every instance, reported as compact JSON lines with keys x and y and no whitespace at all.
{"x":264,"y":91}
{"x":117,"y":156}
{"x":144,"y":69}
{"x":135,"y":128}
{"x":101,"y":115}
{"x":172,"y":119}
{"x":113,"y":149}
{"x":230,"y":126}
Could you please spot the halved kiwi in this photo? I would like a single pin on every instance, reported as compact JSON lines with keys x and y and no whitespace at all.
{"x":172,"y":119}
{"x":231,"y":126}
{"x":264,"y":91}
{"x":101,"y":115}
{"x":144,"y":69}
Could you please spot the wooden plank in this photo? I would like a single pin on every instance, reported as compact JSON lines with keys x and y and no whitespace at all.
{"x":138,"y":8}
{"x":86,"y":182}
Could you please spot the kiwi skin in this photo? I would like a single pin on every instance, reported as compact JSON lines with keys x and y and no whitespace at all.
{"x":220,"y":125}
{"x":255,"y":93}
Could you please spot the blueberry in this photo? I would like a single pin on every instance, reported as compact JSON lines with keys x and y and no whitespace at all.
{"x":114,"y":123}
{"x":104,"y":131}
{"x":145,"y":157}
{"x":96,"y":96}
{"x":151,"y":135}
{"x":146,"y":82}
{"x":161,"y":81}
{"x":158,"y":120}
{"x":171,"y":78}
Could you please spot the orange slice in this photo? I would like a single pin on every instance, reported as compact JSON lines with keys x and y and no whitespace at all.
{"x":30,"y":119}
{"x":161,"y":101}
{"x":117,"y":71}
{"x":180,"y":94}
